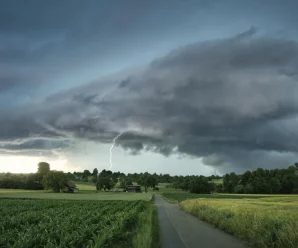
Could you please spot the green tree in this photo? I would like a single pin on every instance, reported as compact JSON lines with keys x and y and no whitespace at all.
{"x":218,"y":188}
{"x":152,"y":181}
{"x":34,"y":181}
{"x":275,"y":185}
{"x":115,"y":180}
{"x":99,"y":183}
{"x":87,"y":173}
{"x":289,"y":182}
{"x":200,"y":185}
{"x":109,"y":185}
{"x":43,"y":168}
{"x":106,"y":173}
{"x":54,"y":180}
{"x":246,"y":178}
{"x":124,"y":182}
{"x":227,"y":185}
{"x":94,"y":179}
{"x":104,"y":183}
{"x":230,"y":181}
{"x":147,"y":180}
{"x":248,"y":189}
{"x":95,"y":172}
{"x":234,"y":179}
{"x":155,"y":189}
{"x":261,"y":185}
{"x":239,"y":189}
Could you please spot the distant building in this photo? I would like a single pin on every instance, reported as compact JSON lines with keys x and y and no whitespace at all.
{"x":133,"y":188}
{"x":70,"y":187}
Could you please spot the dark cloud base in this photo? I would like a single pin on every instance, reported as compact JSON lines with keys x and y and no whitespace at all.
{"x":232,"y":102}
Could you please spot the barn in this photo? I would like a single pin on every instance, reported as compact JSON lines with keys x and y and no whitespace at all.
{"x":70,"y":187}
{"x":133,"y":188}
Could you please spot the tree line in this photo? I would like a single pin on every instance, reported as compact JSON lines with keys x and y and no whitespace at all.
{"x":32,"y":181}
{"x":260,"y":181}
{"x":107,"y":180}
{"x":44,"y":178}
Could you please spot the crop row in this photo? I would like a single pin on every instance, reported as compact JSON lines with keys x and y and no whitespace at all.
{"x":52,"y":223}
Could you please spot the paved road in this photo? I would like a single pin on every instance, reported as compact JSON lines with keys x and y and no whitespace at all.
{"x":182,"y":230}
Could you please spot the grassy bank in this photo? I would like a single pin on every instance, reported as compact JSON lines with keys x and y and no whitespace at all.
{"x":169,"y":199}
{"x":147,"y":235}
{"x":263,"y":222}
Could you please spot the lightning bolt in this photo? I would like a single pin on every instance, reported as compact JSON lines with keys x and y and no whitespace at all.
{"x":114,"y":142}
{"x":111,"y":148}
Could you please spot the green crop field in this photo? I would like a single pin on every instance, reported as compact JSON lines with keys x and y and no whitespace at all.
{"x":82,"y":195}
{"x":262,"y":220}
{"x":56,"y":223}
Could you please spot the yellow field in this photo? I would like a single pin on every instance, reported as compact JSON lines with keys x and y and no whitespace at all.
{"x":263,"y":222}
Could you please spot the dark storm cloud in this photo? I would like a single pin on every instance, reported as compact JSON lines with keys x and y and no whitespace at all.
{"x":41,"y":42}
{"x":232,"y":101}
{"x":35,"y":144}
{"x":228,"y":101}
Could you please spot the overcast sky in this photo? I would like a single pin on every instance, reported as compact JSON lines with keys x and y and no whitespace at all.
{"x":193,"y":86}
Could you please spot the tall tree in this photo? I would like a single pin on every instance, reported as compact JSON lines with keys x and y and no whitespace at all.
{"x":34,"y":181}
{"x":152,"y":181}
{"x":95,"y":172}
{"x":54,"y":180}
{"x":200,"y":185}
{"x":246,"y":178}
{"x":124,"y":182}
{"x":43,"y":168}
{"x":106,"y":173}
{"x":86,"y":174}
{"x":227,"y":185}
{"x":104,"y":183}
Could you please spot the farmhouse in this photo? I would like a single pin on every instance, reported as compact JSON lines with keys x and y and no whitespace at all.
{"x":133,"y":188}
{"x":70,"y":187}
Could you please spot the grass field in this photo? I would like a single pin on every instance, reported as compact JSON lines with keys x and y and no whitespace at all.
{"x":48,"y":223}
{"x":217,"y":181}
{"x":262,"y":220}
{"x":82,"y":195}
{"x":86,"y":186}
{"x":179,"y":196}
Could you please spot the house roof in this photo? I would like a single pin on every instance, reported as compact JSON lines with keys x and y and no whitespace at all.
{"x":70,"y":184}
{"x":133,"y":186}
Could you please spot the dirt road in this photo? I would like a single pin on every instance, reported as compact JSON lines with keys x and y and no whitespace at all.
{"x":182,"y":230}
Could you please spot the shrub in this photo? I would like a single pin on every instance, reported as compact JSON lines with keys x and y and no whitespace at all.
{"x":239,"y":189}
{"x":248,"y":189}
{"x":218,"y":188}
